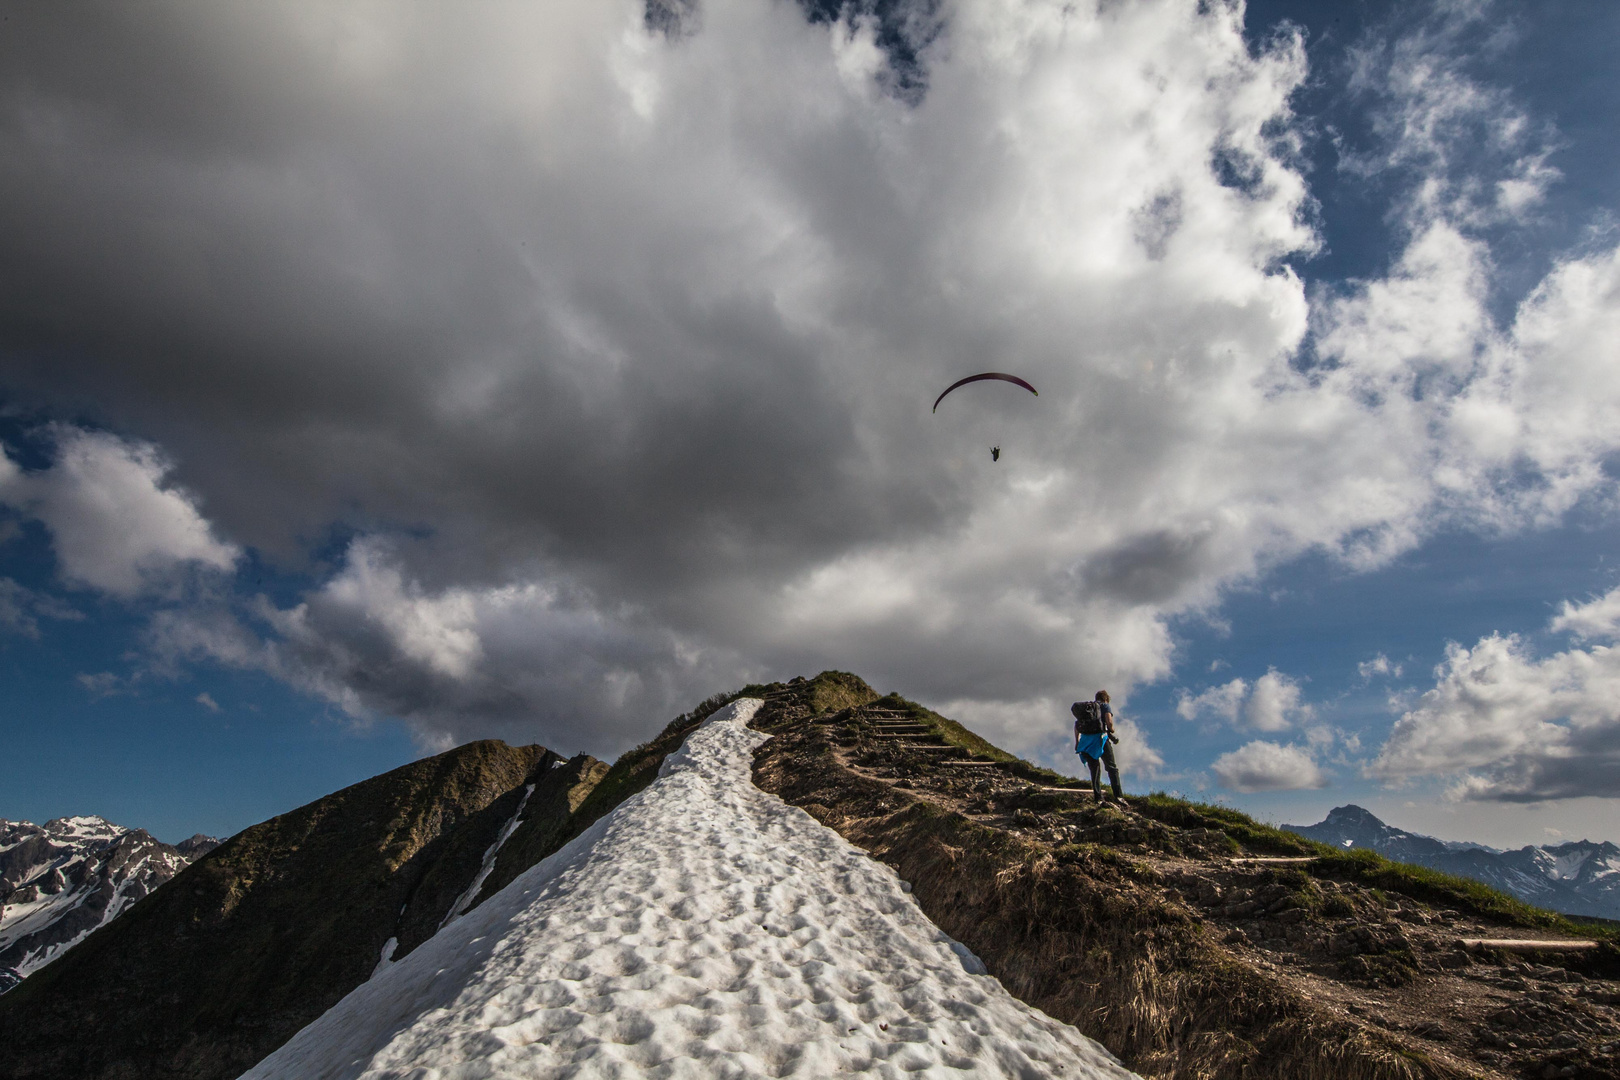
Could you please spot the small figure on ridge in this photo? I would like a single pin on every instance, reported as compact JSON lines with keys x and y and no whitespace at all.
{"x":1094,"y":740}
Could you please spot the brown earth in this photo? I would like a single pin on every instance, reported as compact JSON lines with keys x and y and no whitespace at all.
{"x":1162,"y":940}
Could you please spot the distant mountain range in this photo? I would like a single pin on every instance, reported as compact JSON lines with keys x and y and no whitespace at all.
{"x":61,"y":880}
{"x":1577,"y":878}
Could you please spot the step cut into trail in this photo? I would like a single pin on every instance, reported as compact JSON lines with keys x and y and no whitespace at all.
{"x":704,"y":928}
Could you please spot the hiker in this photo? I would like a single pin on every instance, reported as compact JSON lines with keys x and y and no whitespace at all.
{"x":1094,"y":740}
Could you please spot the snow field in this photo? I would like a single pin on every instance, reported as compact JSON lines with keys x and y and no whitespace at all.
{"x":703,"y":929}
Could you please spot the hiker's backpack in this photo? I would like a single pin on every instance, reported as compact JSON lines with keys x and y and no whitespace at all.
{"x":1088,"y":716}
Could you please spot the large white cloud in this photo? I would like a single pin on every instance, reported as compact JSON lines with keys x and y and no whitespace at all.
{"x":1273,"y":702}
{"x":1263,"y":765}
{"x":114,"y":523}
{"x":1510,"y":726}
{"x":627,"y":338}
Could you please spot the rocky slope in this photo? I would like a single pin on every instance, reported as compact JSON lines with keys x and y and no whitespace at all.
{"x":263,"y":934}
{"x":1577,"y":878}
{"x":61,"y":880}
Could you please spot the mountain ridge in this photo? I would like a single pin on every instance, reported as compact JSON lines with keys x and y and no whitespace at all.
{"x":264,"y":933}
{"x":703,"y":928}
{"x":1190,"y":940}
{"x":1577,"y":877}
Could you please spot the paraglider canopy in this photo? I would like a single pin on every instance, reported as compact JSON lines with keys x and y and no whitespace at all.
{"x":1015,"y":380}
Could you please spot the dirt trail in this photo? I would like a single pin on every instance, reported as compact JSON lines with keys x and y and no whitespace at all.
{"x":1209,"y":962}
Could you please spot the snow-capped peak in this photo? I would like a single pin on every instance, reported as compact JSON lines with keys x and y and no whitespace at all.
{"x":84,"y":827}
{"x":61,"y":880}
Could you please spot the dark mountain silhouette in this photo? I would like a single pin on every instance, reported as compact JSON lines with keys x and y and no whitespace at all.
{"x":267,"y":931}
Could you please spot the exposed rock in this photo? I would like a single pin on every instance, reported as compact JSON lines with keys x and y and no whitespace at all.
{"x":62,"y":880}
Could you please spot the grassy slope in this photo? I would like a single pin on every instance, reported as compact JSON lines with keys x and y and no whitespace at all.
{"x":1446,"y":891}
{"x":1255,"y":837}
{"x":1083,"y":930}
{"x":832,"y":690}
{"x":1083,"y":934}
{"x":1364,"y":867}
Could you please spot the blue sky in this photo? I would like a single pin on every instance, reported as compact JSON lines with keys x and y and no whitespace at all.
{"x":373,"y":383}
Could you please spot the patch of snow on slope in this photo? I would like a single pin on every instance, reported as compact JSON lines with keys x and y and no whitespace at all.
{"x":387,"y":955}
{"x":464,"y":901}
{"x":703,"y":929}
{"x":1567,"y":864}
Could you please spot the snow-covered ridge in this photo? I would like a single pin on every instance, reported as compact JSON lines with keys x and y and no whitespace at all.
{"x":61,"y":880}
{"x":704,"y":928}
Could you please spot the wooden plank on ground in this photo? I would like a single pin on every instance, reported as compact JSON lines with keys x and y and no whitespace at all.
{"x":1274,"y":859}
{"x":1527,"y":944}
